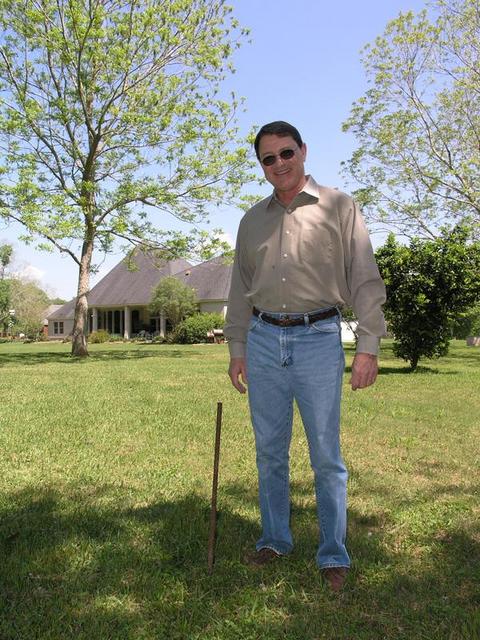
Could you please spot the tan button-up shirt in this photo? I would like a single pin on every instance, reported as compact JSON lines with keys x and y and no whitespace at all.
{"x":313,"y":254}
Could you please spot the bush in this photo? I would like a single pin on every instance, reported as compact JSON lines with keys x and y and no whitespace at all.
{"x":194,"y":329}
{"x":171,"y":337}
{"x":115,"y":337}
{"x":97,"y":337}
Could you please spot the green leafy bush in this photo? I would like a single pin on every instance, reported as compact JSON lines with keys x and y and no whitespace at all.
{"x":194,"y":329}
{"x":115,"y":337}
{"x":97,"y":337}
{"x":171,"y":337}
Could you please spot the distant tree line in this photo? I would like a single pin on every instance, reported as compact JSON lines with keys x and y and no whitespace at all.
{"x":22,"y":303}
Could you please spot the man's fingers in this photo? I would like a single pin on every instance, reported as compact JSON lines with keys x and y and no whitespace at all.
{"x":238,"y":371}
{"x":364,"y":371}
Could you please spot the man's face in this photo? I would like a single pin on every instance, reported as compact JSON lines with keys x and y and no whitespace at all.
{"x":286,"y":175}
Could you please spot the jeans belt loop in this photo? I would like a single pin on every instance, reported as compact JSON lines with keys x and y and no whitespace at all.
{"x":306,"y":319}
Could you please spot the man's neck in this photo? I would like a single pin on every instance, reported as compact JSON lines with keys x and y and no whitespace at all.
{"x":287,"y":197}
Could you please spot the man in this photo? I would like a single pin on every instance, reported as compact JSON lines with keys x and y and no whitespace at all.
{"x":301,"y":254}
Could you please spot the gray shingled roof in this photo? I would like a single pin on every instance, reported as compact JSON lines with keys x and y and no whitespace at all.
{"x":211,"y":279}
{"x":121,"y":286}
{"x":66,"y":311}
{"x":50,"y":311}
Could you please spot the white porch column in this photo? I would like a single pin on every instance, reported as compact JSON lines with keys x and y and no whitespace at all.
{"x":127,"y":324}
{"x":94,"y":319}
{"x":163,"y":324}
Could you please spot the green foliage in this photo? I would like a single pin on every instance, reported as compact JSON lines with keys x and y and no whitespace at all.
{"x":428,"y":285}
{"x":5,"y":289}
{"x":174,"y":299}
{"x":99,"y":337}
{"x":112,"y":114}
{"x":30,"y":303}
{"x":6,"y":251}
{"x":5,"y":295}
{"x":418,"y":126}
{"x":467,"y":323}
{"x":194,"y":329}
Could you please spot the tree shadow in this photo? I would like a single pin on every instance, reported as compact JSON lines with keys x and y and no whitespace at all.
{"x":78,"y":565}
{"x":94,"y":355}
{"x":470,"y":359}
{"x":420,"y":370}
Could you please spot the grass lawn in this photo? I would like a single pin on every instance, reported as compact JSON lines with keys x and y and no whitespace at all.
{"x":105,"y":483}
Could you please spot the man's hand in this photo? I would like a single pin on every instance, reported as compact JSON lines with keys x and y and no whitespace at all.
{"x":238,"y":370}
{"x":364,"y":370}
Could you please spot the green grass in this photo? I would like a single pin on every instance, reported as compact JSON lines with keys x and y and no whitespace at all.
{"x":106,"y":468}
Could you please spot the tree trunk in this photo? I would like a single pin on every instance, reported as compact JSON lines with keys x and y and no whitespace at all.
{"x":80,"y":326}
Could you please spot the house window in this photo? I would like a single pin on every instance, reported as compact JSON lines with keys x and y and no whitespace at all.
{"x":58,"y":328}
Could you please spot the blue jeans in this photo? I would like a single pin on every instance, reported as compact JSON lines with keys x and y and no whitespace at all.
{"x":304,"y":362}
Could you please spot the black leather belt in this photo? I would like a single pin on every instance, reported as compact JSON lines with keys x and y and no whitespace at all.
{"x":292,"y":322}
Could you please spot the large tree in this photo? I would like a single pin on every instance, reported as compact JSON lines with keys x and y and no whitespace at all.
{"x":111,"y":111}
{"x":418,"y":125}
{"x":429,"y":285}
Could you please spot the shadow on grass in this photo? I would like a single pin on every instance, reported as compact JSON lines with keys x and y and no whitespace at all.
{"x":420,"y":370}
{"x":79,"y":565}
{"x":51,"y":357}
{"x":471,"y":359}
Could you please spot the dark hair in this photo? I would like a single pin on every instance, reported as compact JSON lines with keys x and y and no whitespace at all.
{"x":277,"y":128}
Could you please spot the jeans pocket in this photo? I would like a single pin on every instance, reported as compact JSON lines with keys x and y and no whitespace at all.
{"x":254,"y":321}
{"x":326,"y":326}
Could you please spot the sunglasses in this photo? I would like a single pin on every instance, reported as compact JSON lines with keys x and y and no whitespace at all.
{"x":286,"y":154}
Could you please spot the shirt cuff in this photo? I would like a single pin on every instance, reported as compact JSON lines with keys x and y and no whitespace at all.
{"x":237,"y":349}
{"x":368,"y":344}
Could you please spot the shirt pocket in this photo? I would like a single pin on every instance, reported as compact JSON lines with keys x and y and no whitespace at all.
{"x":316,"y":246}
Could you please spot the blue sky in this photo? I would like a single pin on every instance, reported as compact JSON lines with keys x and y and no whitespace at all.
{"x":303,"y":65}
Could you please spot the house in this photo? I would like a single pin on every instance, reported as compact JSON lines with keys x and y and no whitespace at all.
{"x":119,"y":303}
{"x":46,"y":314}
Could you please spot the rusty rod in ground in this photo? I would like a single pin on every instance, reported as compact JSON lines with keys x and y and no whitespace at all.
{"x":213,"y":507}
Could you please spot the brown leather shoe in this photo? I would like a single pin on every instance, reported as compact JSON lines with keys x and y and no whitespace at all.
{"x":335,"y":577}
{"x":262,"y":557}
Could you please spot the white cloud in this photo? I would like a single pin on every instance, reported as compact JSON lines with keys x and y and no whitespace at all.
{"x":29,"y":272}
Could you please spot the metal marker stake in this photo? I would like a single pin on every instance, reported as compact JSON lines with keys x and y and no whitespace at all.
{"x":213,"y":507}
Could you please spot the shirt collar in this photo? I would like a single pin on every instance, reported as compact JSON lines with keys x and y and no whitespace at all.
{"x":309,"y":191}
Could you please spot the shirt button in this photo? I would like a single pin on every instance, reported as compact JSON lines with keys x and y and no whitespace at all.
{"x":284,"y":279}
{"x":285,"y":255}
{"x":287,"y":232}
{"x":284,"y":306}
